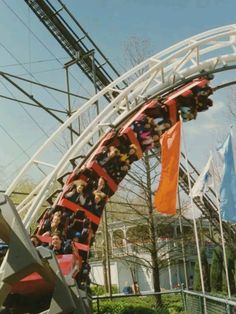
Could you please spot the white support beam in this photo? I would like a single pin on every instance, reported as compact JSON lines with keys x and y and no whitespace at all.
{"x":209,"y":51}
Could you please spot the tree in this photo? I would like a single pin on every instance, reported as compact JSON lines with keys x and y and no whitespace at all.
{"x":139,"y":189}
{"x":230,"y":257}
{"x":205,"y":272}
{"x":147,"y":228}
{"x":216,"y":270}
{"x":152,"y":234}
{"x":137,"y":194}
{"x":136,"y":51}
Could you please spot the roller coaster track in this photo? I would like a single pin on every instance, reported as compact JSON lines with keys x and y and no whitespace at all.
{"x":75,"y":41}
{"x":161,"y":73}
{"x":65,"y":28}
{"x":210,"y":52}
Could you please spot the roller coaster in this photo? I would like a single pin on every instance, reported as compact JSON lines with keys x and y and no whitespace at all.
{"x":141,"y":107}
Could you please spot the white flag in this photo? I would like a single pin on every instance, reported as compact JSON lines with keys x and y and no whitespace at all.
{"x":202,"y":181}
{"x":188,"y":213}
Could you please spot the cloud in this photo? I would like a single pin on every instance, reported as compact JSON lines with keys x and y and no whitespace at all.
{"x":208,"y":121}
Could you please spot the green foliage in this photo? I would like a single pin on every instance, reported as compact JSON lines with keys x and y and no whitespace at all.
{"x":110,"y":307}
{"x":230,"y":257}
{"x":174,"y":303}
{"x":141,"y":305}
{"x":120,"y":307}
{"x":100,"y":290}
{"x":138,"y":310}
{"x":196,"y":278}
{"x":216,"y":270}
{"x":205,"y":270}
{"x":218,"y":276}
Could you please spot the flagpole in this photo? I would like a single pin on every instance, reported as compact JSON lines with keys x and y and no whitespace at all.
{"x":182,"y":242}
{"x":194,"y":220}
{"x":222,"y":235}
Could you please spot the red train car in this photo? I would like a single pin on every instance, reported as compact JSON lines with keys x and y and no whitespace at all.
{"x":94,"y":169}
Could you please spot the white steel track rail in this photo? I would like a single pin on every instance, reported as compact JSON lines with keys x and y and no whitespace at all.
{"x":211,"y":51}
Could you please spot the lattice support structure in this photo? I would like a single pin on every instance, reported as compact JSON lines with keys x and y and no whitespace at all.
{"x":23,"y":259}
{"x":209,"y":52}
{"x":212,"y":51}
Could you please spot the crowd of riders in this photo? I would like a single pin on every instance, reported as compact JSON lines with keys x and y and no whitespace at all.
{"x":66,"y":227}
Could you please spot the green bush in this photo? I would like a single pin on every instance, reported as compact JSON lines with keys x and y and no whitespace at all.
{"x":100,"y":290}
{"x":216,"y":270}
{"x":120,"y":307}
{"x":230,"y":257}
{"x":205,"y":271}
{"x":137,"y":310}
{"x":109,"y":307}
{"x":172,"y":304}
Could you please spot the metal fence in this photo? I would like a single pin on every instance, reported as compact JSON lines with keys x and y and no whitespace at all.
{"x":177,"y":301}
{"x":194,"y":303}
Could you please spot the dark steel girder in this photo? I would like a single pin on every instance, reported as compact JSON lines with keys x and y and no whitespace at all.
{"x":73,"y":45}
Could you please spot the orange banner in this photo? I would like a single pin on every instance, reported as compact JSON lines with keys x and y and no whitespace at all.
{"x":165,"y":196}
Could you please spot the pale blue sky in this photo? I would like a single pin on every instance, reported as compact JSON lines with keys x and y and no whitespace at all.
{"x":111,"y":24}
